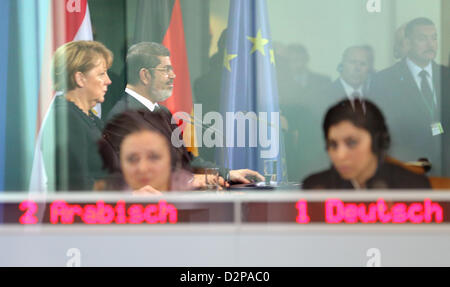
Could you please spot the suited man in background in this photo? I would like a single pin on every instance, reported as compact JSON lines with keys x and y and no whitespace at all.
{"x":297,"y":85}
{"x":354,"y":69}
{"x":414,"y":95}
{"x":297,"y":81}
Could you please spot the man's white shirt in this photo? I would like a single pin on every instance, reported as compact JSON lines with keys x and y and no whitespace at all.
{"x":350,"y":91}
{"x":143,"y":100}
{"x":415,"y":71}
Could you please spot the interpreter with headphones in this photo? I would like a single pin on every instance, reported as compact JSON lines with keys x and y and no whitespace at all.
{"x":357,"y":140}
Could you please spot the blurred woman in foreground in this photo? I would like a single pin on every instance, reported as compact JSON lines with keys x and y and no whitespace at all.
{"x":357,"y":140}
{"x":136,"y":150}
{"x":71,"y":130}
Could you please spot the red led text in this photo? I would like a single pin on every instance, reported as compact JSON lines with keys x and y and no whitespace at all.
{"x":101,"y":213}
{"x":336,"y":211}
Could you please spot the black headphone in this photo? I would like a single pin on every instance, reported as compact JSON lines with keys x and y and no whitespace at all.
{"x":381,"y":141}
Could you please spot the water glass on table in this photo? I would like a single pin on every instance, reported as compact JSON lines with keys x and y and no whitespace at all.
{"x":212,"y":178}
{"x":270,"y":171}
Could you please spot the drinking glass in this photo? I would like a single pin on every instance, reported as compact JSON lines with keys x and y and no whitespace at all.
{"x":212,"y":178}
{"x":270,"y":171}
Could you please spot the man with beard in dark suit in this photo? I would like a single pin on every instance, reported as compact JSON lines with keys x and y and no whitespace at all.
{"x":150,"y":80}
{"x":414,"y":95}
{"x":146,"y":86}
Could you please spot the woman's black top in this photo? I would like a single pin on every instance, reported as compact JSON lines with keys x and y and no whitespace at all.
{"x":387,"y":176}
{"x":69,"y":145}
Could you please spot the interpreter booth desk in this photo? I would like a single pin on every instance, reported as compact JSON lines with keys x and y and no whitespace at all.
{"x":259,"y":228}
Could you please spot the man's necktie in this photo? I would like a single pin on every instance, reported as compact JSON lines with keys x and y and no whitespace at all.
{"x":356,"y":95}
{"x":425,"y":87}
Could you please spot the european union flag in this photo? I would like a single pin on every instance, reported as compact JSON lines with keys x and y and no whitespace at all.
{"x":249,"y":98}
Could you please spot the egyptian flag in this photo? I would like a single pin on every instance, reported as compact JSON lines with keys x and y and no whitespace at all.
{"x":161,"y":21}
{"x":69,"y":20}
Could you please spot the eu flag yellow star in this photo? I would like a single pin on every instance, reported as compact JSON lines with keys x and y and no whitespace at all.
{"x":227,"y":58}
{"x":258,"y":43}
{"x":272,"y":57}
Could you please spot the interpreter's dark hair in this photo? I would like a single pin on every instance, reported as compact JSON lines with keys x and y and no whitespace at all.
{"x":409,"y":29}
{"x":129,"y":122}
{"x":363,"y":114}
{"x":143,"y":55}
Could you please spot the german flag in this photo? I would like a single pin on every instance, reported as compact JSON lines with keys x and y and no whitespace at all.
{"x":161,"y":21}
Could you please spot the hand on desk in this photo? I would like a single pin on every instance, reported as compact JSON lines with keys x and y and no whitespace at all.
{"x":236,"y":176}
{"x":245,"y":176}
{"x":199,"y":181}
{"x":148,"y":189}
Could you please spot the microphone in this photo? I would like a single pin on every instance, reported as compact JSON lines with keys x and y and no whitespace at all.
{"x":423,"y":163}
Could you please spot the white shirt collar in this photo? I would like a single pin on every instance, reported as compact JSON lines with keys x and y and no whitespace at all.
{"x":143,"y":100}
{"x":415,"y":70}
{"x":349,"y":90}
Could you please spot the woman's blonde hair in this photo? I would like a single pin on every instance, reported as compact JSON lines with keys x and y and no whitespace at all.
{"x":77,"y":56}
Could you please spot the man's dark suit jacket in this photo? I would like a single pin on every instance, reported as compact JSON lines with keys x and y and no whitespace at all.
{"x":328,"y":97}
{"x":395,"y":91}
{"x":333,"y":93}
{"x":292,"y":92}
{"x":128,"y":102}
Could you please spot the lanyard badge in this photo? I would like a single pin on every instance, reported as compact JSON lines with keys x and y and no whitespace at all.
{"x":436,"y":129}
